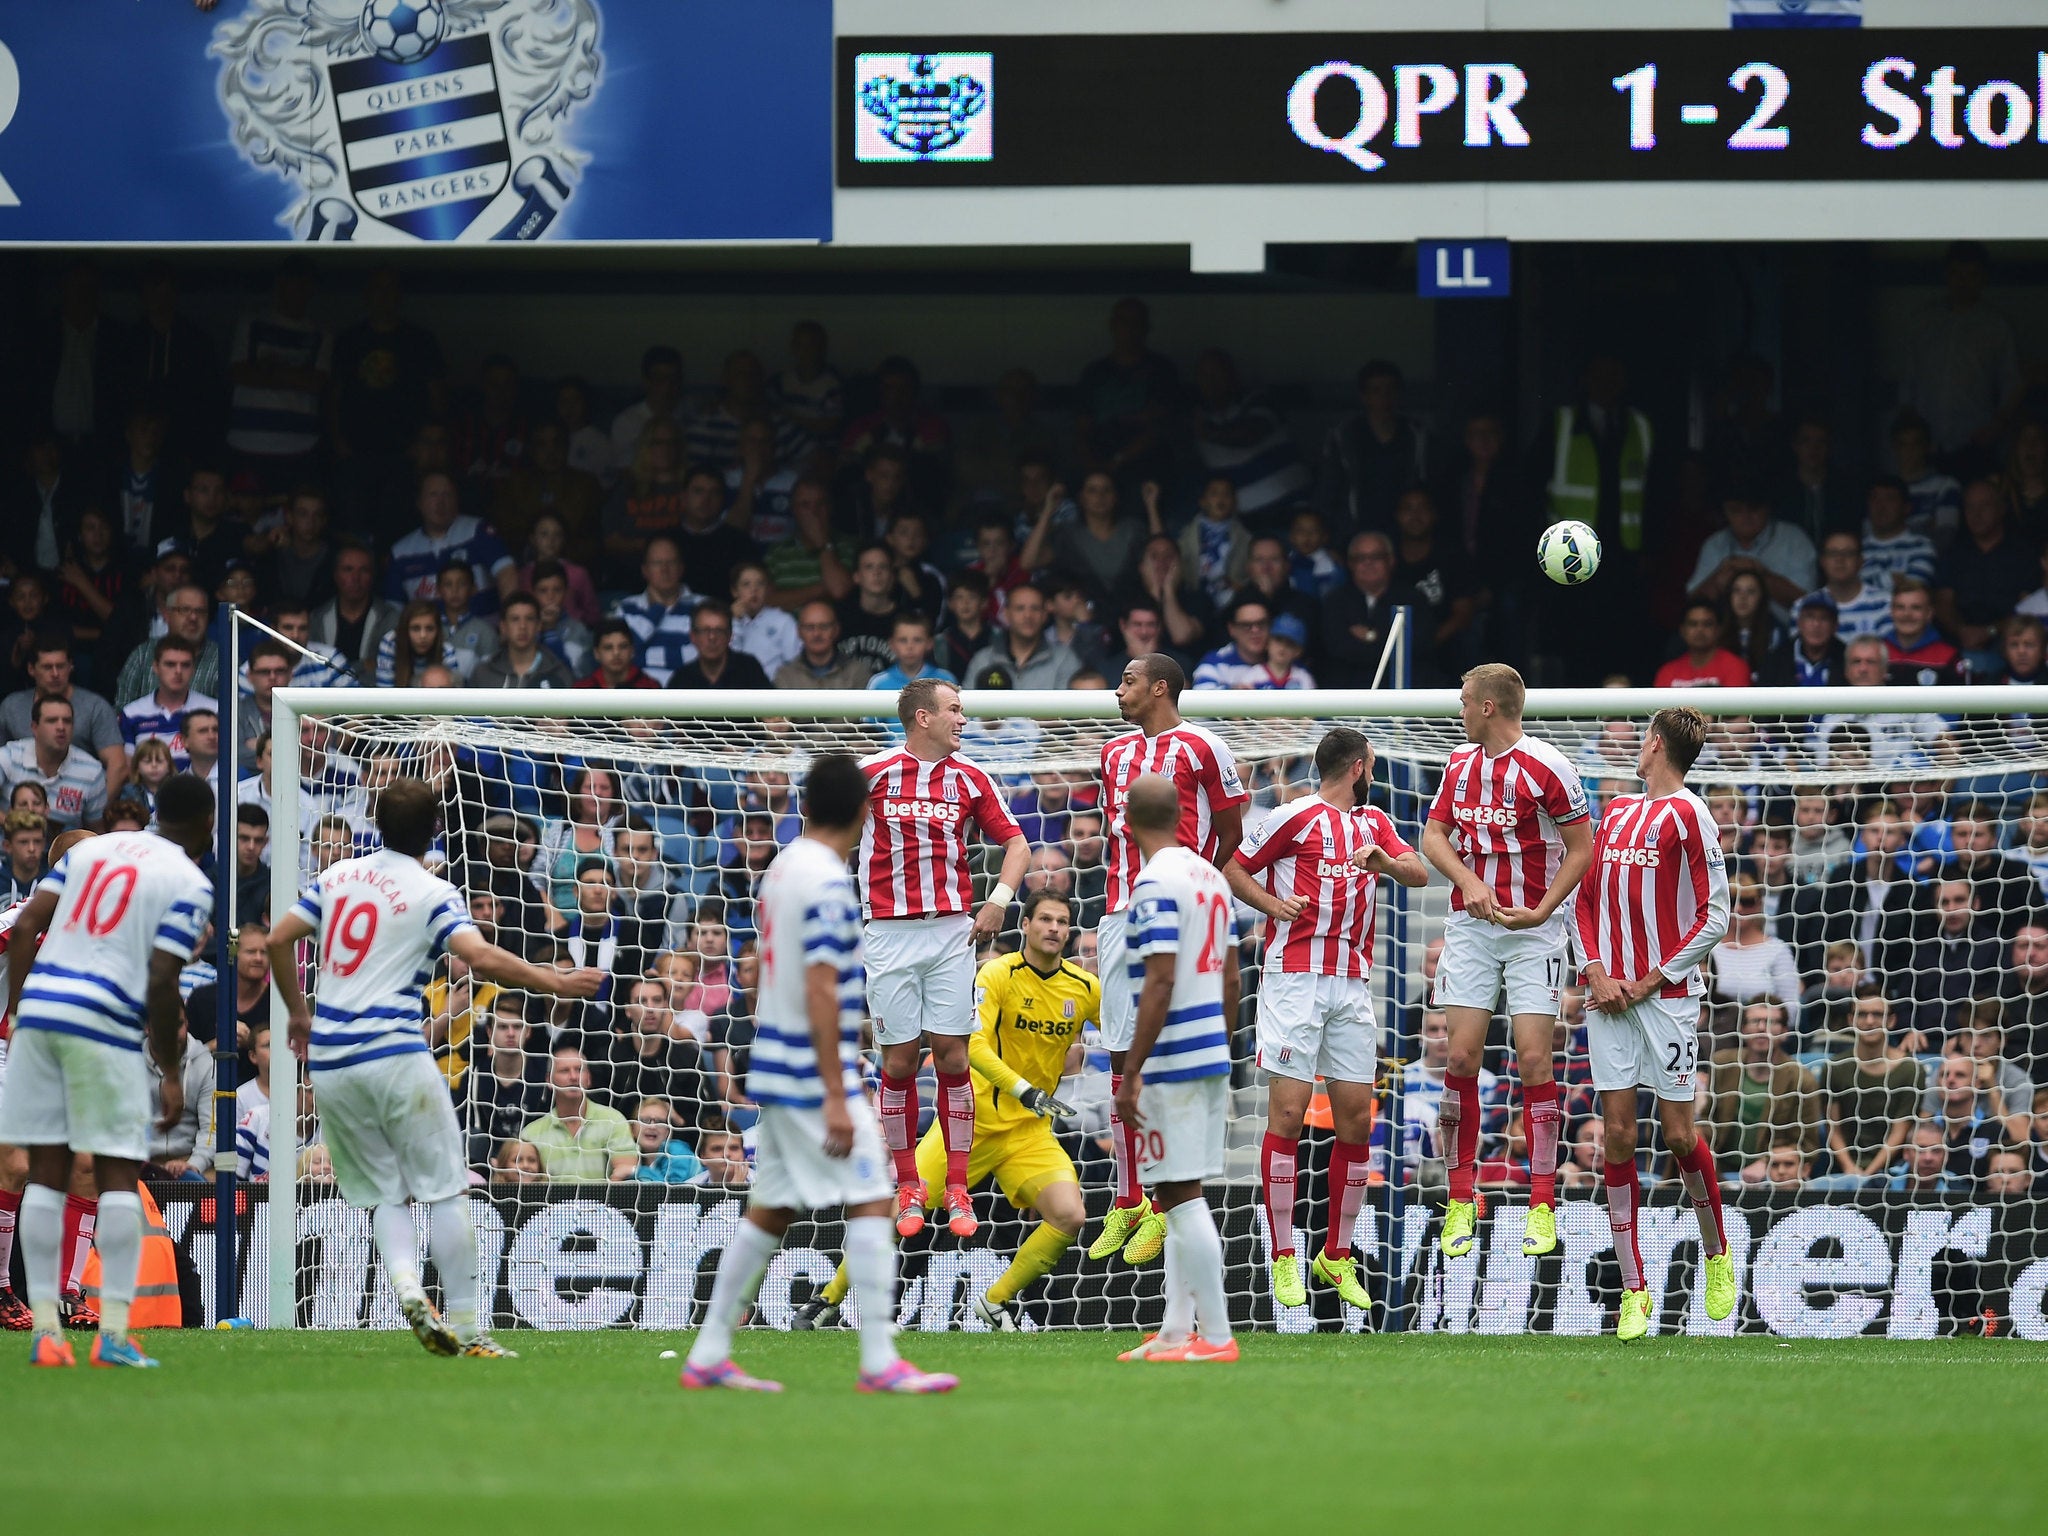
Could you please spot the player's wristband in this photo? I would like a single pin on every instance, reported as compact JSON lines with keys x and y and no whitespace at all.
{"x":1003,"y":894}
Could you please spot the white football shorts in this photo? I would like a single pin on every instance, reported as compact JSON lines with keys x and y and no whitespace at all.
{"x":390,"y":1127}
{"x":67,"y":1091}
{"x":1185,"y":1123}
{"x":1481,"y":960}
{"x":1317,"y":1026}
{"x":920,"y":976}
{"x":1119,"y":997}
{"x":792,"y":1172}
{"x":1654,"y":1045}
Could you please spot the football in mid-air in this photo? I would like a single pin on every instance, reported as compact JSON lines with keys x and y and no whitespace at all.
{"x":1569,"y":553}
{"x":404,"y":31}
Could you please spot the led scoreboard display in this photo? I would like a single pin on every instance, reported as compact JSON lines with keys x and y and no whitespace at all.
{"x":1801,"y":105}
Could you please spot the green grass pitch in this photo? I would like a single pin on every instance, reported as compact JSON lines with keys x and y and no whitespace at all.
{"x":365,"y":1433}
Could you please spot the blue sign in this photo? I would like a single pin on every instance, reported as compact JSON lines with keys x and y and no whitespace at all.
{"x":399,"y":121}
{"x":1461,"y":269}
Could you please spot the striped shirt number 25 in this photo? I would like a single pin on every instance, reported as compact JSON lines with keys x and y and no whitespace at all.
{"x":104,"y":900}
{"x":350,"y":932}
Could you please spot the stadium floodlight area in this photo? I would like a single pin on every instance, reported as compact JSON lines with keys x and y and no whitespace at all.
{"x":1833,"y":798}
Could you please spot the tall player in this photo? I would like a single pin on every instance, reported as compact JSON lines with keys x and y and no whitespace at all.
{"x":1211,"y":823}
{"x":918,"y":882}
{"x":1033,"y":1006}
{"x":118,"y":918}
{"x":1648,"y":915}
{"x":1320,"y":859}
{"x":1508,"y":829}
{"x":382,"y":921}
{"x":1182,"y":944}
{"x":819,"y":1143}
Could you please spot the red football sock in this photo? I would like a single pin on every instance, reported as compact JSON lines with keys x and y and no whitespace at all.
{"x":1703,"y":1189}
{"x":80,"y":1216}
{"x":956,"y":1123}
{"x":1624,"y":1194}
{"x":1458,"y":1125}
{"x":1277,"y":1160}
{"x":1124,"y":1143}
{"x":897,"y":1105}
{"x":1541,"y":1115}
{"x":10,"y":1207}
{"x":1350,"y":1166}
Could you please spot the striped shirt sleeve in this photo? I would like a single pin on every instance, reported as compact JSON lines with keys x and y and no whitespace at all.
{"x":1266,"y":841}
{"x":1154,"y":924}
{"x":831,"y":929}
{"x":179,"y":929}
{"x":450,"y":917}
{"x":308,"y":907}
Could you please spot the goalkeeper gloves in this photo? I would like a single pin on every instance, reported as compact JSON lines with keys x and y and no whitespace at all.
{"x":1041,"y":1103}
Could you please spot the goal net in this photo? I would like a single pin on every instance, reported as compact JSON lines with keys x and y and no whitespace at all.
{"x":1869,"y":1044}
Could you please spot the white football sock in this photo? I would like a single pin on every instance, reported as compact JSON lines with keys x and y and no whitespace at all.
{"x":41,"y":1235}
{"x":400,"y":1248}
{"x":118,"y":1236}
{"x":740,"y":1269}
{"x":871,"y":1260}
{"x":1179,"y":1319}
{"x":453,"y":1237}
{"x":1201,"y":1266}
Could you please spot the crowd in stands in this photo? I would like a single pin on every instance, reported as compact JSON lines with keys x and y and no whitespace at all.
{"x":791,"y":519}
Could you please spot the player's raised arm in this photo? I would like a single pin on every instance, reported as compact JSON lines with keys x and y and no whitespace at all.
{"x":509,"y":970}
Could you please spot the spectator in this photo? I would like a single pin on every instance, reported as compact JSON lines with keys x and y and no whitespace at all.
{"x":2005,"y":890}
{"x":1023,"y":649}
{"x":867,"y":617}
{"x":202,"y":744}
{"x":1871,"y":1096}
{"x":2026,"y":997}
{"x":508,"y":1085}
{"x":1705,"y":662}
{"x":355,"y":620}
{"x":389,"y":379}
{"x":724,"y":1156}
{"x":661,"y":385}
{"x":1267,"y":577}
{"x":550,"y":544}
{"x":910,"y":650}
{"x":759,"y":486}
{"x":819,"y":662}
{"x":1787,"y":1168}
{"x":185,"y":1148}
{"x":717,"y":664}
{"x":1140,"y":634}
{"x":446,"y":533}
{"x":665,"y":1158}
{"x":1918,"y":653}
{"x":160,"y":716}
{"x":1979,"y":1034}
{"x":472,"y":638}
{"x":1948,"y":961}
{"x":809,"y":391}
{"x":186,"y":609}
{"x":1862,"y":607}
{"x":996,"y":559}
{"x":1826,"y":1006}
{"x":813,"y":561}
{"x":1371,"y":457}
{"x":1812,"y":656}
{"x":710,"y":546}
{"x":521,"y":661}
{"x":251,"y":997}
{"x":1124,"y":403}
{"x":1883,"y":744}
{"x":490,"y":441}
{"x":96,"y":727}
{"x":517,"y":1162}
{"x":561,"y":634}
{"x":581,"y":1142}
{"x":902,"y":421}
{"x":766,"y":633}
{"x":1284,"y":647}
{"x":1356,"y":616}
{"x":1778,"y":553}
{"x":712,"y":434}
{"x":1925,"y":1172}
{"x":279,"y":361}
{"x":300,"y":567}
{"x":1818,"y":499}
{"x":152,"y":765}
{"x":31,"y":622}
{"x":1820,"y":848}
{"x":613,"y":652}
{"x":1964,"y":378}
{"x":1937,"y":497}
{"x":1184,"y":610}
{"x":1073,"y":622}
{"x":595,"y":814}
{"x":1440,"y":575}
{"x":1244,"y":661}
{"x":966,"y":628}
{"x":647,"y":1053}
{"x":919,"y":583}
{"x":1982,"y":577}
{"x":643,"y":884}
{"x":1759,"y":1095}
{"x":1890,"y":547}
{"x":1751,"y":962}
{"x":1239,"y":437}
{"x":1963,"y":1101}
{"x":1749,"y":626}
{"x":252,"y":861}
{"x":658,"y":616}
{"x":546,"y":484}
{"x":2023,"y":647}
{"x":416,"y":642}
{"x":1100,"y":548}
{"x":1216,"y":545}
{"x":93,"y":579}
{"x":27,"y":833}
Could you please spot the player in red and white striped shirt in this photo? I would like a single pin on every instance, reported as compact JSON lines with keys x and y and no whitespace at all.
{"x":1212,"y":801}
{"x":1508,"y":829}
{"x":1649,"y":913}
{"x":1319,"y":859}
{"x":916,"y":877}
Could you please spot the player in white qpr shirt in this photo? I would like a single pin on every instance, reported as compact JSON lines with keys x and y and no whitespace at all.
{"x":1509,"y":830}
{"x":917,"y":884}
{"x":1648,"y":915}
{"x":92,"y":969}
{"x":380,"y":922}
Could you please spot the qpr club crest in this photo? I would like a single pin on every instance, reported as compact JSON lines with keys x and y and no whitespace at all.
{"x":925,"y":106}
{"x":405,"y":120}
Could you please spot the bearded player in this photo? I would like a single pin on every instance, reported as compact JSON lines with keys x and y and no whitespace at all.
{"x":1204,"y":776}
{"x":1509,"y":830}
{"x":1312,"y":867}
{"x":1649,"y":913}
{"x":917,"y":882}
{"x":1033,"y":1006}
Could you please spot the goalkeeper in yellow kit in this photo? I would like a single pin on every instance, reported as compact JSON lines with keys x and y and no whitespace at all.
{"x":1032,"y":1007}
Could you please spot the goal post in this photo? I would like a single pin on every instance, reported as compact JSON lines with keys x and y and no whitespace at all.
{"x":734,"y":752}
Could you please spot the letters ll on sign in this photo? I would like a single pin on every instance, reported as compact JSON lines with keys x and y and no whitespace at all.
{"x":1462,"y":269}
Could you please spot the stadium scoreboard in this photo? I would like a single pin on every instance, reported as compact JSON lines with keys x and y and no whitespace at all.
{"x":1420,"y":107}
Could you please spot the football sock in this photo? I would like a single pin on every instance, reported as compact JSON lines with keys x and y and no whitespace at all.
{"x":1201,"y":1252}
{"x":956,"y":1123}
{"x":10,"y":1205}
{"x":453,"y":1243}
{"x":897,"y":1106}
{"x":42,"y":1248}
{"x":1703,"y":1189}
{"x":1623,"y":1196}
{"x":1350,"y":1167}
{"x":1541,"y":1114}
{"x":119,"y":1238}
{"x":399,"y":1246}
{"x":1277,"y":1159}
{"x":1038,"y":1253}
{"x":871,"y":1260}
{"x":1124,"y":1144}
{"x":1458,"y":1128}
{"x":837,"y":1287}
{"x":1178,"y":1321}
{"x":740,"y":1269}
{"x":80,"y":1215}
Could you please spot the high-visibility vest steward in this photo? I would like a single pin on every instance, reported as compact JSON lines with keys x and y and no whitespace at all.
{"x":156,"y":1280}
{"x":1575,"y":476}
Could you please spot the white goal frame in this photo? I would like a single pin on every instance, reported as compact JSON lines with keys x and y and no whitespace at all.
{"x":1356,"y":706}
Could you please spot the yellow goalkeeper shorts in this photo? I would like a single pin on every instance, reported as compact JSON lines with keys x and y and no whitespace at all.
{"x":1022,"y":1161}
